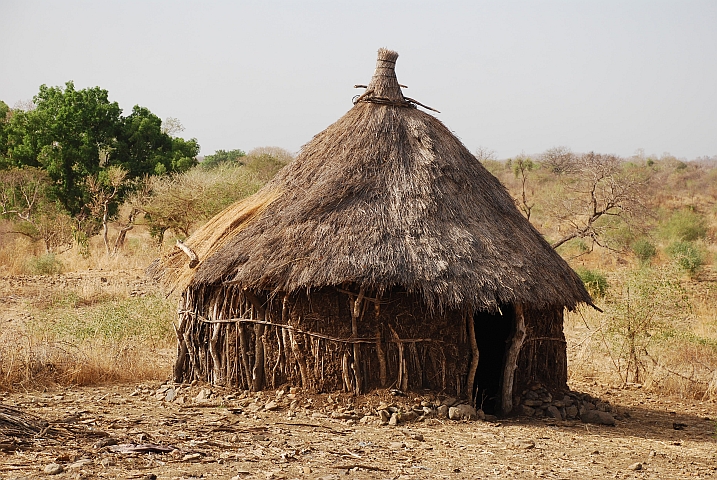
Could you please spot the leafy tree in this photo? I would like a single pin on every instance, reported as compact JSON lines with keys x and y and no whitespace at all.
{"x":64,"y":136}
{"x":4,"y":120}
{"x":222,"y":156}
{"x":144,"y":146}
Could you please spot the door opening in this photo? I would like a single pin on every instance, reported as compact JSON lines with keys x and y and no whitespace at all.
{"x":493,"y":333}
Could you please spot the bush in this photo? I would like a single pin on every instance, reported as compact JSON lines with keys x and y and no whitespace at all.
{"x":644,"y":250}
{"x":595,"y":282}
{"x":687,"y":255}
{"x":44,"y":265}
{"x":685,"y":225}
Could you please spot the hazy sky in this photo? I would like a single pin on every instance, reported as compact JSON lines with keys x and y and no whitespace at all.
{"x":608,"y":76}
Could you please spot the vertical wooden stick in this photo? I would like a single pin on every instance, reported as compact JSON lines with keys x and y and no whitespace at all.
{"x":381,"y":353}
{"x":474,"y":361}
{"x":511,"y":361}
{"x":356,"y":367}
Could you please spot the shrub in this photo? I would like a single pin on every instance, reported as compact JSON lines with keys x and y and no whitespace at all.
{"x":686,"y":225}
{"x":644,"y":250}
{"x":44,"y":265}
{"x":595,"y":282}
{"x":687,"y":255}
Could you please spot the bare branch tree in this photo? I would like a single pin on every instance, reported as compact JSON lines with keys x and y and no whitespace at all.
{"x":559,"y":160}
{"x":103,"y":191}
{"x":599,"y":186}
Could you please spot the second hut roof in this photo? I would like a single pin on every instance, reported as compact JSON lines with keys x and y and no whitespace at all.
{"x":385,"y":197}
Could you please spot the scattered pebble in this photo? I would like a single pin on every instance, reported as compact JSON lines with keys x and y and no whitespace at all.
{"x":53,"y":469}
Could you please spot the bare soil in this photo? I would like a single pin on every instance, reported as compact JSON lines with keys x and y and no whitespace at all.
{"x":133,"y":431}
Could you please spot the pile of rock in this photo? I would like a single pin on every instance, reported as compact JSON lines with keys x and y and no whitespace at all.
{"x":538,"y":402}
{"x":449,"y":408}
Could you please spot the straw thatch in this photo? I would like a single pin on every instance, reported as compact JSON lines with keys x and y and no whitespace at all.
{"x":384,"y":254}
{"x":385,"y":196}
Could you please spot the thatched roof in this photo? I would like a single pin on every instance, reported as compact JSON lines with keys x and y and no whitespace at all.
{"x":385,"y":197}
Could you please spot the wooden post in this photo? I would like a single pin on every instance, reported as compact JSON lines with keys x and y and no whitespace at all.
{"x":257,"y":374}
{"x":511,"y":361}
{"x":474,"y":360}
{"x":355,"y":312}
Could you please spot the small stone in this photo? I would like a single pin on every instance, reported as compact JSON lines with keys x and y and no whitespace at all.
{"x":416,"y":436}
{"x":271,"y":406}
{"x":428,"y":411}
{"x":407,"y":416}
{"x":571,"y":411}
{"x":533,"y":403}
{"x":442,"y":411}
{"x":384,"y":415}
{"x":203,"y":394}
{"x":635,"y":466}
{"x":524,"y":444}
{"x":170,"y":395}
{"x":598,"y":417}
{"x":527,"y":411}
{"x":393,"y":421}
{"x":449,"y":402}
{"x":79,"y":463}
{"x":191,"y":457}
{"x":396,"y":445}
{"x":462,"y":412}
{"x":53,"y":469}
{"x":553,"y":412}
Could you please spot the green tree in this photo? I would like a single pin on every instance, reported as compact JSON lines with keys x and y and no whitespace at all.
{"x":4,"y":120}
{"x":144,"y":147}
{"x":222,"y":156}
{"x":64,"y":136}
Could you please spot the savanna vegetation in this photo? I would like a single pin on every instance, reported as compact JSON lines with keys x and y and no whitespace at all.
{"x":84,"y":188}
{"x":641,"y":233}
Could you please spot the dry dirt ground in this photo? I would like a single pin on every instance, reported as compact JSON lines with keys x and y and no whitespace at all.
{"x":133,"y":431}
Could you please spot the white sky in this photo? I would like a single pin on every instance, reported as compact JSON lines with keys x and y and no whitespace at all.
{"x":602,"y":75}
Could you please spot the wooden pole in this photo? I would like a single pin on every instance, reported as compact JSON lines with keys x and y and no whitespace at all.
{"x":511,"y":361}
{"x":355,"y":312}
{"x":474,"y":360}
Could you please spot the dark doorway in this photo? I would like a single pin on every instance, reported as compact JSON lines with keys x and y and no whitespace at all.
{"x":493,"y":334}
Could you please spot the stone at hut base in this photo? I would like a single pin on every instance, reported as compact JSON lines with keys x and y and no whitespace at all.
{"x":597,"y":417}
{"x":462,"y":412}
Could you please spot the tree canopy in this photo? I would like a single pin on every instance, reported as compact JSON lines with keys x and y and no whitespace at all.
{"x":74,"y":135}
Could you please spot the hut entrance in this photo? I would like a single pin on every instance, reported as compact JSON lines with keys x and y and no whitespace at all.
{"x":493,"y":333}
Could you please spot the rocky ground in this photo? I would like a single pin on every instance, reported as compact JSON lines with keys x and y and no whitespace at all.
{"x":181,"y":432}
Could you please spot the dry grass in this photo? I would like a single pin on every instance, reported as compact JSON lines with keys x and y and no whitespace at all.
{"x":674,"y":327}
{"x":67,"y":338}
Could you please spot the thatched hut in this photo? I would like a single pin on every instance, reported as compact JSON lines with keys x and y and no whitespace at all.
{"x":384,"y":255}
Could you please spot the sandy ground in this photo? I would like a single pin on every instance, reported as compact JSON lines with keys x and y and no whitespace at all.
{"x":133,"y":431}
